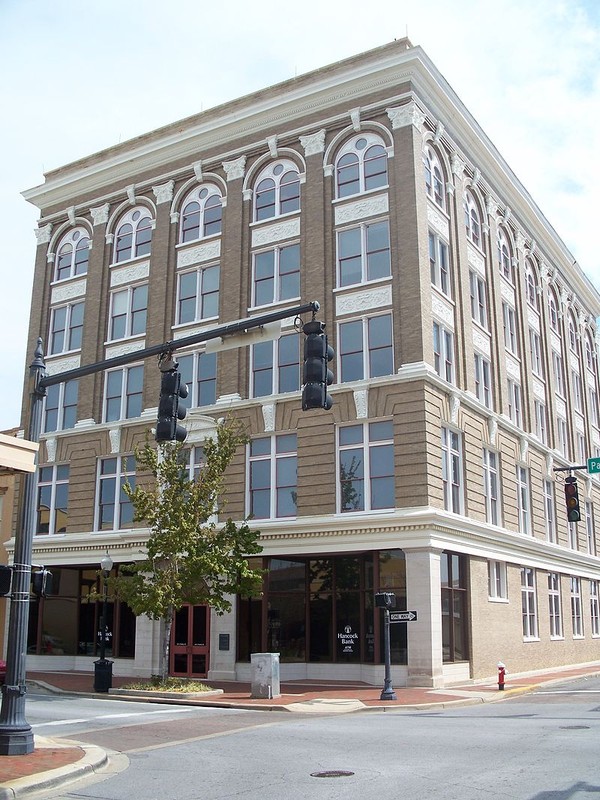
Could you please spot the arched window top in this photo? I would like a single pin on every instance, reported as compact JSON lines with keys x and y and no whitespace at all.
{"x":201,"y":213}
{"x":472,"y":220}
{"x":72,"y":255}
{"x":504,"y":254}
{"x":531,"y":287}
{"x":361,"y":165}
{"x":434,"y":177}
{"x":277,"y":190}
{"x":553,"y":311}
{"x":133,"y":235}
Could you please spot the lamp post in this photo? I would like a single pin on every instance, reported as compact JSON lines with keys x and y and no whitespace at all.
{"x":103,"y":667}
{"x":385,"y":601}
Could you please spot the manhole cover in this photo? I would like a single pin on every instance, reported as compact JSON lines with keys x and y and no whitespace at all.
{"x":575,"y":727}
{"x":332,"y":773}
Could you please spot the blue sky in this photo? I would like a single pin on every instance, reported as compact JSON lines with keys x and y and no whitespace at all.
{"x":78,"y":77}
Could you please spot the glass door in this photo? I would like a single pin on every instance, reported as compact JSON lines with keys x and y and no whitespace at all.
{"x":190,"y":642}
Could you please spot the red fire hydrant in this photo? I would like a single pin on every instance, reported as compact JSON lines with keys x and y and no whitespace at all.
{"x":501,"y":676}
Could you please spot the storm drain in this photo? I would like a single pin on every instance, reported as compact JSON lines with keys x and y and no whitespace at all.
{"x":332,"y":773}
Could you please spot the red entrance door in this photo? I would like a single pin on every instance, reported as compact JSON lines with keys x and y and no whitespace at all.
{"x":190,"y":642}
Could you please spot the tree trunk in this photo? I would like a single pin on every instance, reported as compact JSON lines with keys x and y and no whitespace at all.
{"x":166,"y":648}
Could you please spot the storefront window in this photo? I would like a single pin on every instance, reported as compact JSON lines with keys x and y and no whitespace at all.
{"x":454,"y":607}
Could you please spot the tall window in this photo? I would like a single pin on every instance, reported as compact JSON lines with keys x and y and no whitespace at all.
{"x":128,"y":312}
{"x":594,"y":608}
{"x":577,"y":391}
{"x":479,"y":309}
{"x":559,"y":373}
{"x":535,"y":345}
{"x":528,"y":604}
{"x":553,"y":311}
{"x":576,"y":611}
{"x":364,"y":253}
{"x":277,"y":190}
{"x":439,"y":264}
{"x":272,"y":464}
{"x":562,"y":442}
{"x":497,"y":583}
{"x":509,"y":320}
{"x":550,"y":509}
{"x":66,"y":328}
{"x":453,"y":569}
{"x":556,"y":631}
{"x":572,"y":332}
{"x":452,"y":471}
{"x":541,"y":427}
{"x":123,"y":393}
{"x":52,"y":499}
{"x":276,"y":275}
{"x":114,"y":510}
{"x":443,"y":352}
{"x":201,"y":214}
{"x":73,"y":255}
{"x":472,"y":220}
{"x":590,"y":354}
{"x":133,"y":237}
{"x":515,"y":404}
{"x":434,"y":178}
{"x":60,"y":406}
{"x":491,"y":486}
{"x":523,"y":499}
{"x":365,"y":348}
{"x":483,"y":380}
{"x":198,"y":294}
{"x":504,"y":257}
{"x":361,"y":165}
{"x":593,"y":406}
{"x":366,"y":466}
{"x":276,"y":366}
{"x":531,"y":288}
{"x":589,"y":528}
{"x":199,"y":373}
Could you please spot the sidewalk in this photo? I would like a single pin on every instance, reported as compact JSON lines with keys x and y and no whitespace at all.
{"x":56,"y":762}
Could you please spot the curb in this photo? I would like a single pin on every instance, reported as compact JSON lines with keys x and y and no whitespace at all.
{"x":94,"y":759}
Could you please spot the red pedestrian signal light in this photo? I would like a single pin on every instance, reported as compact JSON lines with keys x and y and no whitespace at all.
{"x":572,"y":499}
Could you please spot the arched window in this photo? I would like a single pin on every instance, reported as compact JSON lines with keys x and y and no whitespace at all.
{"x":72,"y":255}
{"x":361,"y":165}
{"x":572,"y":331}
{"x":504,"y":257}
{"x":277,"y":190}
{"x":133,"y":236}
{"x":201,"y":214}
{"x":590,"y":360}
{"x":434,"y":177}
{"x":472,"y":220}
{"x":531,"y":287}
{"x":553,"y":311}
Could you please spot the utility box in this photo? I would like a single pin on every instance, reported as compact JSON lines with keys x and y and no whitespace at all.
{"x":265,"y":675}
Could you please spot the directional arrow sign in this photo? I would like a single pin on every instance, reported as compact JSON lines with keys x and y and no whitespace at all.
{"x":403,"y":616}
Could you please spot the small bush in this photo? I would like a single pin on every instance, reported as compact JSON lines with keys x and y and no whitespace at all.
{"x":156,"y":684}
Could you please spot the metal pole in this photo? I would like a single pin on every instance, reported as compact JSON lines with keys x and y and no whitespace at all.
{"x":103,"y":621}
{"x":388,"y":692}
{"x":16,"y":736}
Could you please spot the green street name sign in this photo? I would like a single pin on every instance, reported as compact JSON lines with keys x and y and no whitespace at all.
{"x":593,"y":465}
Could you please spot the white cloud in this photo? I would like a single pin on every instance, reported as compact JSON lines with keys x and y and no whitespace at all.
{"x":77,"y":78}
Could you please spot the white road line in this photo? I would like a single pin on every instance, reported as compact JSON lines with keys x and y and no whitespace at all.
{"x":572,"y":691}
{"x":110,"y":716}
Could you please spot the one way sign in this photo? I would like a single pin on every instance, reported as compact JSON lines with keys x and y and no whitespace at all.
{"x":403,"y":616}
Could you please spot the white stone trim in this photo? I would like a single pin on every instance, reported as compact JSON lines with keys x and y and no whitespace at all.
{"x":367,"y":207}
{"x":438,"y":221}
{"x":54,"y":366}
{"x":313,"y":143}
{"x":363,"y":301}
{"x":276,"y":232}
{"x":129,"y":274}
{"x":207,"y":251}
{"x":124,"y":348}
{"x":67,"y":291}
{"x":164,"y":192}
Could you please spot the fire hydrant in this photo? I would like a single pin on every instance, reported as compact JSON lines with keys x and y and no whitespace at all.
{"x":501,"y":676}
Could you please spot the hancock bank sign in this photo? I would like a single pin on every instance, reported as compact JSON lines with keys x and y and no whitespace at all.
{"x":348,"y":639}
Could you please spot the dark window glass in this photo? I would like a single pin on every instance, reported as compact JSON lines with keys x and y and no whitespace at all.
{"x":348,"y":175}
{"x":124,"y":243}
{"x":190,"y":222}
{"x":351,"y":351}
{"x":265,"y":199}
{"x":143,"y":237}
{"x":375,"y":166}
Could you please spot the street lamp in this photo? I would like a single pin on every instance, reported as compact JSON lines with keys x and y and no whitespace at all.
{"x":103,"y":667}
{"x":385,"y":601}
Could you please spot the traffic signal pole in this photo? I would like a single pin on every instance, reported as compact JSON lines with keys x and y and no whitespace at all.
{"x":16,"y":736}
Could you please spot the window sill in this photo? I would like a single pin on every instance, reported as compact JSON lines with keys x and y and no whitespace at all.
{"x":503,"y":600}
{"x":354,"y":286}
{"x":531,"y":639}
{"x":211,"y":238}
{"x":367,"y":192}
{"x":290,"y":214}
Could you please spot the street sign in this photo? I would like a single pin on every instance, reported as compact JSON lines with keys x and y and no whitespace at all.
{"x":593,"y":465}
{"x":403,"y":616}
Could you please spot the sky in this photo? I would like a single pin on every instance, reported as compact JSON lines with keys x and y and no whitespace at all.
{"x":78,"y":77}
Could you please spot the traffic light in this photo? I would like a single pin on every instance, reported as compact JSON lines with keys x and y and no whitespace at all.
{"x":42,"y":582}
{"x":5,"y":579}
{"x":385,"y":600}
{"x":317,"y":376}
{"x":169,"y":410}
{"x":572,"y":498}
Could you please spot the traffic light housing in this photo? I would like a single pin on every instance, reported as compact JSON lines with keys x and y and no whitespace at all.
{"x":572,"y":499}
{"x":172,"y":390}
{"x":385,"y":600}
{"x":42,"y":582}
{"x":316,"y":376}
{"x":5,"y":579}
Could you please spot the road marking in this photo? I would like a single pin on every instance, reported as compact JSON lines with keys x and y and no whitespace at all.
{"x":111,"y":716}
{"x":572,"y":691}
{"x":217,"y":735}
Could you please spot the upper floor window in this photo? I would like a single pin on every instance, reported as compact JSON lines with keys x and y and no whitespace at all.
{"x":535,"y":348}
{"x":531,"y":288}
{"x":366,"y":466}
{"x":439,"y":264}
{"x":452,"y":471}
{"x":483,"y":380}
{"x":472,"y":220}
{"x":123,"y":393}
{"x":128,"y":311}
{"x":277,"y":190}
{"x":276,"y":366}
{"x":504,"y":257}
{"x":66,"y":328}
{"x":72,"y":256}
{"x":572,"y":330}
{"x":198,"y":294}
{"x":434,"y":177}
{"x":114,"y":509}
{"x":541,"y":428}
{"x":199,"y":373}
{"x":550,"y":509}
{"x":515,"y":402}
{"x":133,"y":236}
{"x":364,"y":253}
{"x":60,"y":406}
{"x":491,"y":486}
{"x":589,"y":353}
{"x":523,"y":499}
{"x":52,"y":499}
{"x":509,"y":319}
{"x":366,"y":348}
{"x":276,"y":275}
{"x":273,"y":479}
{"x":558,"y":371}
{"x":479,"y":310}
{"x":553,"y":312}
{"x":443,"y":352}
{"x":201,"y":214}
{"x":361,"y":165}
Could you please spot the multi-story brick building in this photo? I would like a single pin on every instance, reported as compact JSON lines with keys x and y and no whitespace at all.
{"x":466,"y":373}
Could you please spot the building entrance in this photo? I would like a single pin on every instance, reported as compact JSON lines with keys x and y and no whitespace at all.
{"x":190,"y":642}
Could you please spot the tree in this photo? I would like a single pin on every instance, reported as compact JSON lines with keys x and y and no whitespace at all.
{"x":191,"y":556}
